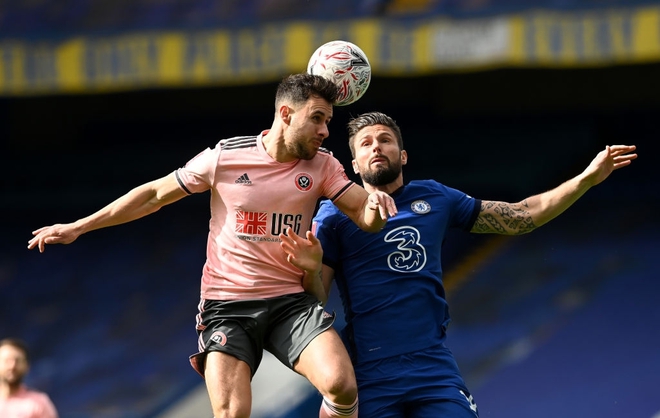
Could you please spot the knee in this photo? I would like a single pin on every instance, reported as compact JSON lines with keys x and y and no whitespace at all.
{"x":229,"y":411}
{"x":342,"y":388}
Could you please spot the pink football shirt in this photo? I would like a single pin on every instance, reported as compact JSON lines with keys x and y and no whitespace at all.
{"x":253,"y":199}
{"x":27,"y":403}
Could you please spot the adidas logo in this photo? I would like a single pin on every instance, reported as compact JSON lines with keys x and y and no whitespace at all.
{"x":244,"y":179}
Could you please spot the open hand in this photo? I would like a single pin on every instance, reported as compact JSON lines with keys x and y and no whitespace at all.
{"x":304,"y":253}
{"x":611,"y":158}
{"x":54,"y":234}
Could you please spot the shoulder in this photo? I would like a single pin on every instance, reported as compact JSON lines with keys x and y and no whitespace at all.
{"x":35,"y":395}
{"x":210,"y":156}
{"x":325,"y":156}
{"x":325,"y":152}
{"x":328,"y":214}
{"x":430,"y":183}
{"x":434,"y":186}
{"x":44,"y":401}
{"x":426,"y":185}
{"x":325,"y":164}
{"x":327,"y":208}
{"x":238,"y":142}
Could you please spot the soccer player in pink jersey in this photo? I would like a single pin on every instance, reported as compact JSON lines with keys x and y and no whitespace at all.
{"x":16,"y":399}
{"x":252,"y":297}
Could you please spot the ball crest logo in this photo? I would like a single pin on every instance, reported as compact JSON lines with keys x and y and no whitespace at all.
{"x":346,"y":65}
{"x":420,"y":206}
{"x":304,"y":182}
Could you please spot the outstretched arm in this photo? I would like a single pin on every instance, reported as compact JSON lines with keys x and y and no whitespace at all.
{"x":141,"y":201}
{"x":532,"y":212}
{"x":307,"y":255}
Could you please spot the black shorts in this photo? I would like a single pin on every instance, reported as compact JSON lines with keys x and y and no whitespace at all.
{"x":283,"y":325}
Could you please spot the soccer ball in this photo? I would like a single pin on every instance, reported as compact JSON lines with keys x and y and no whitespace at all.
{"x":346,"y":65}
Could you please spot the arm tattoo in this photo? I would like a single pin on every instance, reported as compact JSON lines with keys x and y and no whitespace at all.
{"x":504,"y":218}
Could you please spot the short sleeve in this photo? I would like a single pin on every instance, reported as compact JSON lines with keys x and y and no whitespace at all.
{"x":465,"y":209}
{"x":198,"y":174}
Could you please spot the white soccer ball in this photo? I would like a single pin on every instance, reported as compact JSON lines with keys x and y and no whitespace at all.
{"x":346,"y":65}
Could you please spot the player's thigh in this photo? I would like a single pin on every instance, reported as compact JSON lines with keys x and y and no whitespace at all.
{"x":326,"y":364}
{"x":381,"y":400}
{"x":296,"y":320}
{"x":228,"y":384}
{"x":302,"y":338}
{"x":389,"y":400}
{"x":419,"y":384}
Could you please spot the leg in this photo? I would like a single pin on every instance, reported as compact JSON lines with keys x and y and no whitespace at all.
{"x":302,"y":338}
{"x":325,"y":363}
{"x":228,"y":384}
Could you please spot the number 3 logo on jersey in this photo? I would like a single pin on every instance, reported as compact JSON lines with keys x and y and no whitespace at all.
{"x":410,"y":255}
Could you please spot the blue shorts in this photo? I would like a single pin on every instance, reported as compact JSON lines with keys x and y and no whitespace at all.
{"x":421,"y":384}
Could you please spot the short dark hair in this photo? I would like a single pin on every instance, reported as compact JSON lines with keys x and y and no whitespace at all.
{"x":17,"y":343}
{"x":298,"y":88}
{"x":370,"y":119}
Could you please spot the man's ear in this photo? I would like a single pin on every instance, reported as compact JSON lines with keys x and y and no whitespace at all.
{"x":404,"y":157}
{"x":285,"y":113}
{"x":355,"y":167}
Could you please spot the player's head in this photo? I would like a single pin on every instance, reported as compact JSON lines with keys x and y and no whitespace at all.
{"x":303,"y":105}
{"x":14,"y":361}
{"x":377,"y":148}
{"x":296,"y":89}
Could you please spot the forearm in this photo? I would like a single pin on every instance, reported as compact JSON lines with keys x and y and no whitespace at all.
{"x":527,"y":215}
{"x":313,"y":284}
{"x":135,"y":204}
{"x":546,"y":206}
{"x":369,"y":211}
{"x":372,"y":221}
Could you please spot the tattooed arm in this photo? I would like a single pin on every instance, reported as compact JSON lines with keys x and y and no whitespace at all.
{"x":527,"y":215}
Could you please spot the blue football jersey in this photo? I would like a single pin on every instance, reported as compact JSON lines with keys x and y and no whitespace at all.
{"x":390,"y":283}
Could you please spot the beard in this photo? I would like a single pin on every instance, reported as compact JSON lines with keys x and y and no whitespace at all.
{"x":298,"y":149}
{"x":382,"y":176}
{"x":13,"y":380}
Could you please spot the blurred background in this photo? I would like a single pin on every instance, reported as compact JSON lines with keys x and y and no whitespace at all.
{"x":499,"y":98}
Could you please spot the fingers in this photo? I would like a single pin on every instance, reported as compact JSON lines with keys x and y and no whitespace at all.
{"x":40,"y":239}
{"x":621,"y":155}
{"x":290,"y":239}
{"x":38,"y":231}
{"x":287,"y":241}
{"x":291,"y":233}
{"x":383,"y":203}
{"x":391,"y":206}
{"x":622,"y":148}
{"x":42,"y":236}
{"x":36,"y":241}
{"x":312,"y":238}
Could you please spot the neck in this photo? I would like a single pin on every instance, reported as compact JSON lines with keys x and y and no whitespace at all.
{"x":387,"y":188}
{"x":6,"y":389}
{"x":274,"y":145}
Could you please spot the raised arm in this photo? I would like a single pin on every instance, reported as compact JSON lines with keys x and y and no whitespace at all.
{"x":137,"y":203}
{"x":532,"y":212}
{"x":368,"y":211}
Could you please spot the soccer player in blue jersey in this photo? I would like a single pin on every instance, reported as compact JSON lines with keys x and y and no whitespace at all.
{"x":390,"y":283}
